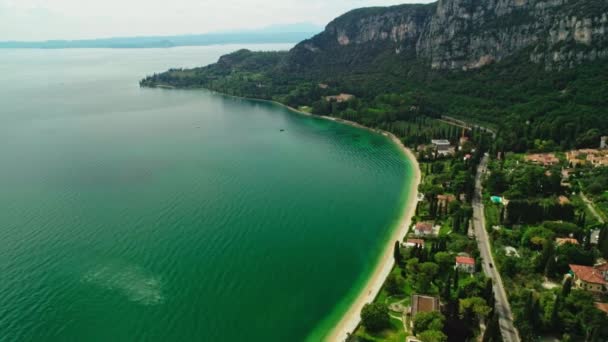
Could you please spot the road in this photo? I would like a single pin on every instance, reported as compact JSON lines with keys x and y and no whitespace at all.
{"x":505,"y":316}
{"x":453,"y":121}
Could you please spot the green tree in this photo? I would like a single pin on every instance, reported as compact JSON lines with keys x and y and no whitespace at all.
{"x":567,"y":287}
{"x":397,"y":253}
{"x":374,"y":317}
{"x":474,"y":305}
{"x":554,"y":319}
{"x":394,"y":284}
{"x":432,"y":336}
{"x":492,"y":333}
{"x":445,"y":261}
{"x":424,"y":321}
{"x":426,"y":274}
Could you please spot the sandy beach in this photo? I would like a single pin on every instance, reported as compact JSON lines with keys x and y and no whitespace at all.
{"x":351,"y":319}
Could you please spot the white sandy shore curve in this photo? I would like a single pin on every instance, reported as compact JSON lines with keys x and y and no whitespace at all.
{"x":351,"y":319}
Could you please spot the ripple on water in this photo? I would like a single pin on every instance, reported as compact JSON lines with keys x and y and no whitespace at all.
{"x":132,"y":282}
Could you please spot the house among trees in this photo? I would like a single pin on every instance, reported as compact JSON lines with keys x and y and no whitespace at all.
{"x":444,"y":200}
{"x":340,"y":98}
{"x":592,"y":279}
{"x":411,"y":243}
{"x":426,"y":229}
{"x":544,"y":159}
{"x":595,"y":157}
{"x":422,"y":303}
{"x":443,"y":147}
{"x":465,"y":264}
{"x":602,"y":307}
{"x":595,"y":236}
{"x":563,"y":241}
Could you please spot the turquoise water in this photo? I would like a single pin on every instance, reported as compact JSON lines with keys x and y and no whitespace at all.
{"x":131,"y":214}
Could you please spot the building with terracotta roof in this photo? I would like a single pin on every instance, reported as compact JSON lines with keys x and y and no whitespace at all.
{"x":444,"y":200}
{"x":595,"y":157}
{"x":422,"y":303}
{"x":425,"y":229}
{"x":588,"y":278}
{"x":563,"y":241}
{"x":603,"y":269}
{"x":602,"y":307}
{"x":411,"y":243}
{"x":340,"y":98}
{"x":465,"y":264}
{"x":545,"y":159}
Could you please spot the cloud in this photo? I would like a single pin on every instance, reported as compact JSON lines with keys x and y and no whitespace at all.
{"x":78,"y":19}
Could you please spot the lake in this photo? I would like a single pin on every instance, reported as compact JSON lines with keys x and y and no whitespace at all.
{"x":131,"y":214}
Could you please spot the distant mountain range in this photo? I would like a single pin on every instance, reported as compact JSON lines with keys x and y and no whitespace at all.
{"x":273,"y":34}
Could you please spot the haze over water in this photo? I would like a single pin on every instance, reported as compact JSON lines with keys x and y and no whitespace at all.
{"x":131,"y":214}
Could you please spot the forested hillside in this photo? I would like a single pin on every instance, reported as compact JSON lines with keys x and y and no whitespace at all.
{"x":381,"y":56}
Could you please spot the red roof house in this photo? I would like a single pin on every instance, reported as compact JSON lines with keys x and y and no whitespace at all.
{"x":588,"y":278}
{"x":465,"y":264}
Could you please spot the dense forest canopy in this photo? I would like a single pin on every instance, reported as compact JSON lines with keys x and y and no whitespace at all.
{"x":522,"y":100}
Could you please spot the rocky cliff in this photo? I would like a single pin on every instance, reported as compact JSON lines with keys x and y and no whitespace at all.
{"x":465,"y":34}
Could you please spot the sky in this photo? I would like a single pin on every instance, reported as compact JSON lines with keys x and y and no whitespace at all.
{"x":29,"y":20}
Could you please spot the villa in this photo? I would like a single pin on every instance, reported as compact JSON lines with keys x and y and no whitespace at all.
{"x":563,"y":241}
{"x":444,"y":200}
{"x":589,"y":278}
{"x":443,"y":147}
{"x":595,"y":157}
{"x":426,"y":229}
{"x":340,"y":98}
{"x":411,"y":243}
{"x":545,"y":159}
{"x":465,"y":264}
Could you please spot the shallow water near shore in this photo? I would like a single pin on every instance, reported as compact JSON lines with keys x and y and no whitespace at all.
{"x":166,"y":215}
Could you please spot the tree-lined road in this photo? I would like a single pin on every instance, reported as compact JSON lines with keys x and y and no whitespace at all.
{"x":505,"y":317}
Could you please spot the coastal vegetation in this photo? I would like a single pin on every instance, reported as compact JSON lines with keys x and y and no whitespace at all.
{"x":530,"y":108}
{"x":425,"y":266}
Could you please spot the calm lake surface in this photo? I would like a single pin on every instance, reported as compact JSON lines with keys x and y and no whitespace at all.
{"x":131,"y":214}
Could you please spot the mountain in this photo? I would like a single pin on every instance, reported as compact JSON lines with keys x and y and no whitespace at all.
{"x":272,"y":34}
{"x":534,"y":69}
{"x":469,"y":34}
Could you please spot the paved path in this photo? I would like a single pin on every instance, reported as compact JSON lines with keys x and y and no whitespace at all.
{"x":503,"y":309}
{"x":592,"y":208}
{"x":456,"y":122}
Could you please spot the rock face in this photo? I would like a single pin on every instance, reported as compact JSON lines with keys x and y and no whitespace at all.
{"x":468,"y":34}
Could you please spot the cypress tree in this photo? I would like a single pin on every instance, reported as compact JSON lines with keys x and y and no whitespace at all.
{"x":554,"y":322}
{"x":492,"y":333}
{"x":455,"y":280}
{"x":397,"y":253}
{"x":567,"y":287}
{"x":488,"y":292}
{"x":550,"y":267}
{"x":446,"y":288}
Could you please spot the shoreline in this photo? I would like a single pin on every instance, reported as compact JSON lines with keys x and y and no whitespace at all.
{"x":351,"y":318}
